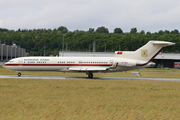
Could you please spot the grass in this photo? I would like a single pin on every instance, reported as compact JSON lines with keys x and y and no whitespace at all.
{"x":84,"y":99}
{"x":39,"y":99}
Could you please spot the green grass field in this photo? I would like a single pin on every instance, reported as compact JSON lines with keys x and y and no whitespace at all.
{"x":29,"y":99}
{"x":90,"y":99}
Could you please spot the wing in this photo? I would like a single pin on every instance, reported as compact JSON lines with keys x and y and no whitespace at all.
{"x":84,"y":69}
{"x":92,"y":69}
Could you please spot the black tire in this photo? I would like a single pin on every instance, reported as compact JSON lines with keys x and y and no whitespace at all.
{"x":90,"y":75}
{"x":19,"y":74}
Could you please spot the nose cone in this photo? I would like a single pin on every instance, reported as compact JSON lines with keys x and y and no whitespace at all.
{"x":8,"y":66}
{"x":5,"y":65}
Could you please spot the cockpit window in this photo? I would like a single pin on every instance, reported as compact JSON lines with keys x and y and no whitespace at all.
{"x":11,"y":61}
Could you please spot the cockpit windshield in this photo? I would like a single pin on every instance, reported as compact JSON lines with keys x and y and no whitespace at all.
{"x":10,"y":61}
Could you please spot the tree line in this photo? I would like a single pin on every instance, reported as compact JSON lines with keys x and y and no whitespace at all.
{"x":36,"y":41}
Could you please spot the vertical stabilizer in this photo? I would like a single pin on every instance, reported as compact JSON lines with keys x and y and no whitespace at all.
{"x":146,"y":52}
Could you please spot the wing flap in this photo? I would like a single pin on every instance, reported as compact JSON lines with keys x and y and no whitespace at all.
{"x":87,"y":69}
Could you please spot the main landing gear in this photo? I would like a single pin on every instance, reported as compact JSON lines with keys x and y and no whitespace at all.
{"x":90,"y":75}
{"x":19,"y":74}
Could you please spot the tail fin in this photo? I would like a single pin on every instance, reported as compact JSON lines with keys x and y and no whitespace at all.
{"x":146,"y":52}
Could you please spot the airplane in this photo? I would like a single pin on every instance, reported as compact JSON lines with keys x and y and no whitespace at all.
{"x":123,"y":61}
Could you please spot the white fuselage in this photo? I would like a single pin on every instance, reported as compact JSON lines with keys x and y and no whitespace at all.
{"x":75,"y":64}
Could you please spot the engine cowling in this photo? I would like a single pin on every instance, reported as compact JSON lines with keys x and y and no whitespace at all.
{"x":136,"y":63}
{"x":127,"y":63}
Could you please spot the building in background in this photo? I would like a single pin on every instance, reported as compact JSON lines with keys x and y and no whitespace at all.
{"x":8,"y":52}
{"x":167,"y":60}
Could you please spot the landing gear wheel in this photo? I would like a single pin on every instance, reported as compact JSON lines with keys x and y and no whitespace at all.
{"x":90,"y":75}
{"x":19,"y":74}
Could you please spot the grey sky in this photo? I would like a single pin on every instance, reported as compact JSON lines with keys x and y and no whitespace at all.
{"x":148,"y":15}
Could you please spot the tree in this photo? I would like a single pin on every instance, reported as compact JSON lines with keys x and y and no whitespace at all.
{"x":63,"y":29}
{"x":91,"y":30}
{"x":142,"y":32}
{"x":148,"y":33}
{"x":102,"y":30}
{"x":167,"y":31}
{"x":34,"y":40}
{"x":160,"y":32}
{"x":3,"y":30}
{"x":133,"y":30}
{"x":175,"y":31}
{"x":118,"y":30}
{"x":19,"y":30}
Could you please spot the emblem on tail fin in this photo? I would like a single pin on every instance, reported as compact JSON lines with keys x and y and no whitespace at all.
{"x":144,"y":53}
{"x":119,"y":52}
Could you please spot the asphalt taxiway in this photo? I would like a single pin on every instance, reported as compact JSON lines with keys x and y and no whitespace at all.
{"x":94,"y":78}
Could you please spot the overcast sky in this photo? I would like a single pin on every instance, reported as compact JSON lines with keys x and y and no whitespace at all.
{"x":148,"y":15}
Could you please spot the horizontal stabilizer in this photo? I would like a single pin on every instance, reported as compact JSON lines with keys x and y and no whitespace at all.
{"x":163,"y":43}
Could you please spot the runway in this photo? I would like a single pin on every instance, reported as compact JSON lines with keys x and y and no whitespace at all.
{"x":95,"y":78}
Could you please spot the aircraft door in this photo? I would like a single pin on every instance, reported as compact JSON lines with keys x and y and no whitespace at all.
{"x":111,"y":62}
{"x":20,"y":61}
